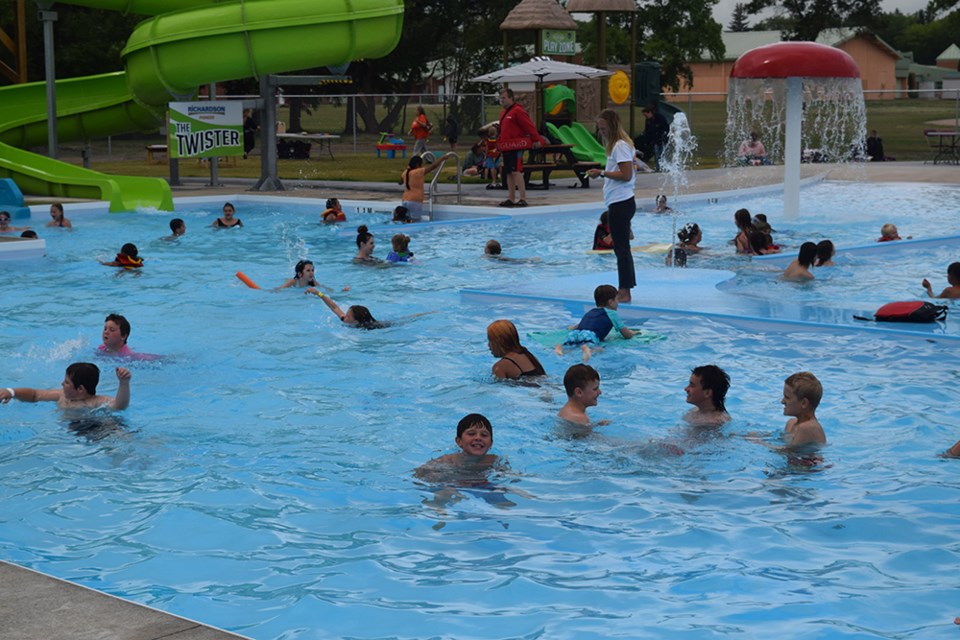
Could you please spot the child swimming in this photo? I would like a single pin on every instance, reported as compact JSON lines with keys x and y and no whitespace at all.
{"x":57,"y":218}
{"x":334,"y":212}
{"x":128,"y":258}
{"x":401,"y":249}
{"x":597,"y":323}
{"x":356,"y":315}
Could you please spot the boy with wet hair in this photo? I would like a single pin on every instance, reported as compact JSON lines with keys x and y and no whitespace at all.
{"x":706,"y":391}
{"x":474,"y":437}
{"x":78,"y":389}
{"x":177,"y":228}
{"x":116,"y":330}
{"x":597,"y":323}
{"x":801,"y":397}
{"x":582,"y":384}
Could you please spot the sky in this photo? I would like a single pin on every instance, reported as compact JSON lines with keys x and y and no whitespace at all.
{"x":723,"y":10}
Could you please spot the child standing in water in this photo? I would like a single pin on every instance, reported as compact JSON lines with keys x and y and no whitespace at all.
{"x":582,"y":384}
{"x":801,"y":397}
{"x":57,"y":219}
{"x":799,"y":269}
{"x":706,"y":392}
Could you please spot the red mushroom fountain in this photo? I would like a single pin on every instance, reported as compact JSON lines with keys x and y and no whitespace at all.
{"x":804,"y":85}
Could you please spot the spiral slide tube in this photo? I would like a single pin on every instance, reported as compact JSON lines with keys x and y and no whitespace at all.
{"x":187,"y":43}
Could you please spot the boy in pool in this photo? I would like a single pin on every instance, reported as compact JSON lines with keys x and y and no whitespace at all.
{"x":78,"y":389}
{"x":706,"y":391}
{"x":953,"y":277}
{"x":474,"y":437}
{"x":5,"y":226}
{"x":582,"y":384}
{"x":177,"y":228}
{"x":596,"y":323}
{"x":128,"y":258}
{"x":801,"y":397}
{"x":888,"y":233}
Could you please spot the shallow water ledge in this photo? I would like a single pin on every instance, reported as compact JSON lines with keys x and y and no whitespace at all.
{"x":695,"y":293}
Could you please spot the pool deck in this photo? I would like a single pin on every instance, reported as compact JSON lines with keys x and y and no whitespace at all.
{"x":35,"y":606}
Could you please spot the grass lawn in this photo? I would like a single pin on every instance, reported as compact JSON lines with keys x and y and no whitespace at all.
{"x":899,"y":122}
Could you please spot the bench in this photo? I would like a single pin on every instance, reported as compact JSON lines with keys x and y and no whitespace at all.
{"x":155,"y":148}
{"x":579,"y":169}
{"x":392,"y":149}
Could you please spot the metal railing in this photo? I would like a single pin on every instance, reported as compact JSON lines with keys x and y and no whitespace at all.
{"x":434,"y":191}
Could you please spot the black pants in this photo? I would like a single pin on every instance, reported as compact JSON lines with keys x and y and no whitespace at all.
{"x":620,"y":215}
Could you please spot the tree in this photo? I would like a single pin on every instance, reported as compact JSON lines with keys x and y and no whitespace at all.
{"x":671,"y":32}
{"x":460,"y":36}
{"x":87,"y":41}
{"x":738,"y":22}
{"x":807,"y":18}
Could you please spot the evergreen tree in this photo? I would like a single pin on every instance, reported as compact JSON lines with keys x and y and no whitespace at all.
{"x":738,"y":22}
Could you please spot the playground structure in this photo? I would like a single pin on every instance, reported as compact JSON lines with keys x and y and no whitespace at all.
{"x":185,"y":44}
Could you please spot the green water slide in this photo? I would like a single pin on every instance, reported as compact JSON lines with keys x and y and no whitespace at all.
{"x":187,"y":43}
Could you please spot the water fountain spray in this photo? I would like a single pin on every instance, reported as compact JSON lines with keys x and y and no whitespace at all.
{"x":800,"y":96}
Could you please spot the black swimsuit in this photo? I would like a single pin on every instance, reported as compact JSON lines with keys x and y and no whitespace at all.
{"x":536,"y":371}
{"x":220,"y":224}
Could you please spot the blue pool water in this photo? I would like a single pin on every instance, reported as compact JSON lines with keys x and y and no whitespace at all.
{"x":262,"y":479}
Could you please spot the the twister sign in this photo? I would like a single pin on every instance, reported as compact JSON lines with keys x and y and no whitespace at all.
{"x":205,"y":129}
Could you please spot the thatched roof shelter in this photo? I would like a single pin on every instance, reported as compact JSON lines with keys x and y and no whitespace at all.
{"x":594,"y":6}
{"x":538,"y":14}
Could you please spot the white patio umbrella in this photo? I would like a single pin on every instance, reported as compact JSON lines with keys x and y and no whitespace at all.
{"x":542,"y":70}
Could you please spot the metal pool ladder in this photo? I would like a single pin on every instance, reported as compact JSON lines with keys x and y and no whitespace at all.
{"x":435,"y":193}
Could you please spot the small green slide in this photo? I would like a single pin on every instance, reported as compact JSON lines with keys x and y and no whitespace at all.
{"x":187,"y":43}
{"x":588,"y":142}
{"x":580,"y":151}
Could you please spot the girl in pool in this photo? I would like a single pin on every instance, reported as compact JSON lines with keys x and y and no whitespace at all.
{"x":228,"y":220}
{"x":690,"y":237}
{"x":356,"y":315}
{"x":662,"y":205}
{"x":302,"y":276}
{"x":365,"y":247}
{"x":401,"y":249}
{"x":825,"y":251}
{"x":799,"y":269}
{"x":744,"y":228}
{"x":515,"y":361}
{"x":57,"y":219}
{"x":412,"y":180}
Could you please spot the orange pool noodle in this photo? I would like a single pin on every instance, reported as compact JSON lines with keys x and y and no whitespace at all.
{"x":247,"y":281}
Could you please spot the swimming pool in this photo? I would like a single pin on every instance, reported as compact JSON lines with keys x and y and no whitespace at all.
{"x":262,"y":482}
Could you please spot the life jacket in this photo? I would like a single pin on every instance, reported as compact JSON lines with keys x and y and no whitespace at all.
{"x":127,"y":262}
{"x":338,"y":216}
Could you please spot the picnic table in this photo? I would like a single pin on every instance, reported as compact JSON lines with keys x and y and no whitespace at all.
{"x":945,"y":144}
{"x":320,"y":138}
{"x":555,"y":157}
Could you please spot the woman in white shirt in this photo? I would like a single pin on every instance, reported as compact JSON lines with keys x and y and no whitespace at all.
{"x":618,"y":195}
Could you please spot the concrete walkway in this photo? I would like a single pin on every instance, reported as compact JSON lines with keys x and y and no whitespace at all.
{"x":649,"y":185}
{"x":35,"y":606}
